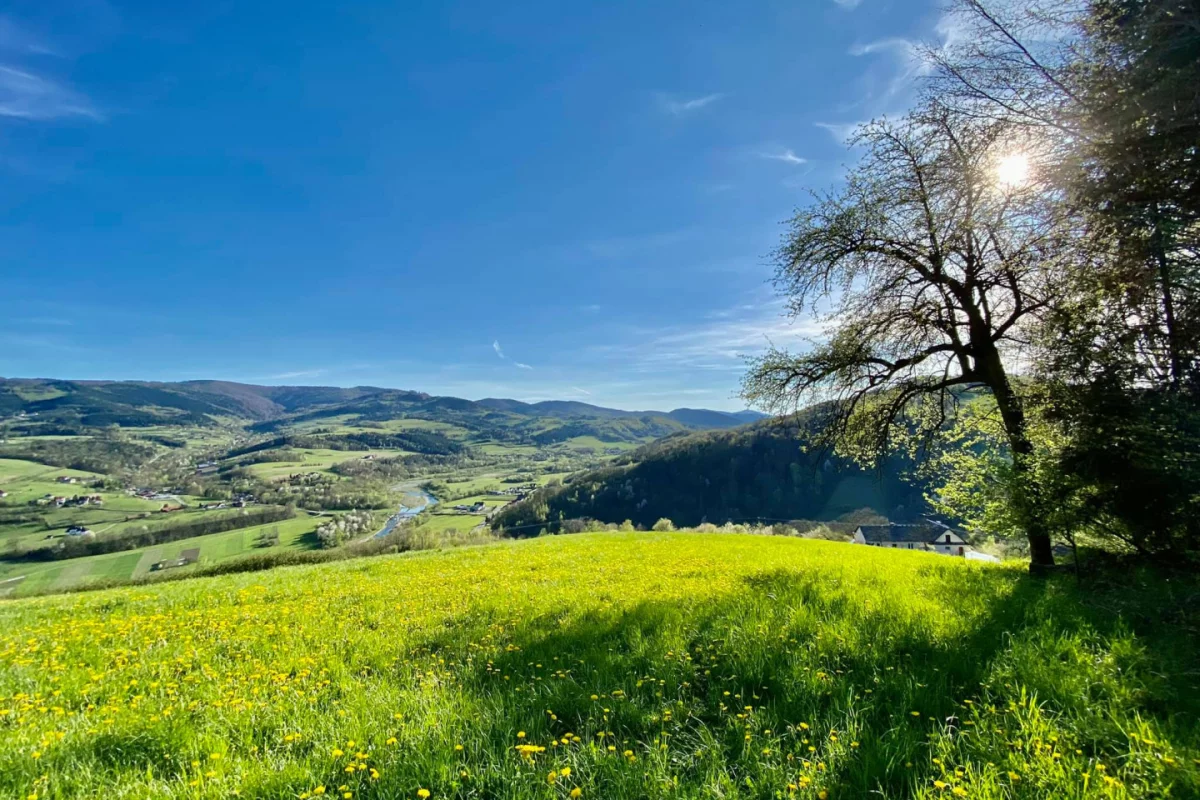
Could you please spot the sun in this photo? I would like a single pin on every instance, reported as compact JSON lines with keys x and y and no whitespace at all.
{"x":1013,"y":170}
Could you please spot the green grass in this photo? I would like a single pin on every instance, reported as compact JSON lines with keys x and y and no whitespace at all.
{"x":313,"y":460}
{"x":598,"y":445}
{"x":294,"y":534}
{"x":439,"y":522}
{"x":627,"y":666}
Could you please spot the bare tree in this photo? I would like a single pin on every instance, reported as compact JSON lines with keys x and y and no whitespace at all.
{"x":928,"y":268}
{"x":1111,"y":88}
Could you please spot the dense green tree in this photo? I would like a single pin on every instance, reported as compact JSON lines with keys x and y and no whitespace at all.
{"x":1108,"y":90}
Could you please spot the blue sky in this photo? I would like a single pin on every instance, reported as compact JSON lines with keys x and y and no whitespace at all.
{"x":530,"y":199}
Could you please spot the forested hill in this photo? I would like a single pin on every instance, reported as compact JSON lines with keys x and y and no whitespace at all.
{"x":35,"y":406}
{"x":758,"y":472}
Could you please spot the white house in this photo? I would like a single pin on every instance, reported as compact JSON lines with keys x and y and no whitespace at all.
{"x":932,"y":536}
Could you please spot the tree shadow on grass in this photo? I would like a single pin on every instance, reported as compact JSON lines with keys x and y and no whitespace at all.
{"x":794,"y":648}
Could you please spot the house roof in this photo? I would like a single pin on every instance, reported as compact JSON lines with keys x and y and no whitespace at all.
{"x":895,"y":532}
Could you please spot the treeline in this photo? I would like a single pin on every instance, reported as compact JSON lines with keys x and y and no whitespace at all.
{"x":418,"y":441}
{"x":757,"y":473}
{"x":406,"y":467}
{"x":325,"y":495}
{"x":132,"y":539}
{"x":103,"y":454}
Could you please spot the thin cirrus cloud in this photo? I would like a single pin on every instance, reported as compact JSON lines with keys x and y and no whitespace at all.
{"x":679,"y":107}
{"x":25,"y":95}
{"x":500,"y":352}
{"x":896,"y":65}
{"x":787,"y":156}
{"x":718,"y":345}
{"x":300,"y":373}
{"x":848,"y":5}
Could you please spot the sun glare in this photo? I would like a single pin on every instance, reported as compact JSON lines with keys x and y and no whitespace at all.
{"x":1013,"y":170}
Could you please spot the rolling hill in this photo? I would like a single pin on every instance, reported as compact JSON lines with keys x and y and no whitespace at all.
{"x":62,"y":406}
{"x":608,"y":667}
{"x":761,"y":472}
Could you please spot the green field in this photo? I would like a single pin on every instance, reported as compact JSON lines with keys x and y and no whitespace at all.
{"x":41,"y":576}
{"x":608,"y":666}
{"x":313,"y":460}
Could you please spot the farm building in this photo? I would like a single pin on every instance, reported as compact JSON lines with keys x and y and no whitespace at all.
{"x":932,"y":536}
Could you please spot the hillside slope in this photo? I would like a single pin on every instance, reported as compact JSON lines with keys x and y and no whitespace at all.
{"x":608,"y":666}
{"x":61,"y":406}
{"x":760,"y":472}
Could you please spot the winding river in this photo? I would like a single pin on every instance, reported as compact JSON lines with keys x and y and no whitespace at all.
{"x":406,"y":513}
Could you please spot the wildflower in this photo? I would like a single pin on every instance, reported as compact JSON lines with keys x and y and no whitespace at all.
{"x":422,"y":793}
{"x":823,"y":795}
{"x":576,"y":792}
{"x":337,"y":753}
{"x":520,"y":734}
{"x":391,"y":740}
{"x":959,"y":791}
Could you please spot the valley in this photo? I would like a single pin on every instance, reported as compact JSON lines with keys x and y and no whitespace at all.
{"x":111,"y":482}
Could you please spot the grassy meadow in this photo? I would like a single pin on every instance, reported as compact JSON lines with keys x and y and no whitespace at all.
{"x":20,"y":578}
{"x":607,"y":666}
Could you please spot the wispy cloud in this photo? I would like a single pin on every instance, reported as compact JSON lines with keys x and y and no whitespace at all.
{"x":678,"y":107}
{"x":15,"y":39}
{"x":25,"y":95}
{"x":578,"y":390}
{"x":841,"y":131}
{"x":300,"y":373}
{"x":719,"y":343}
{"x":848,"y":5}
{"x":786,"y":155}
{"x":28,"y":93}
{"x":894,"y":68}
{"x":500,"y":352}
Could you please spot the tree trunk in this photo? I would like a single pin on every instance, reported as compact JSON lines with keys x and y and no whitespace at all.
{"x":1158,"y":248}
{"x":1012,"y":413}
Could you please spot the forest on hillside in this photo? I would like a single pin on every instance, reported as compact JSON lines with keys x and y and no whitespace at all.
{"x":760,"y":473}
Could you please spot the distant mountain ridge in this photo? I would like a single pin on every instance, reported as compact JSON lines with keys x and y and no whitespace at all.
{"x":74,"y":404}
